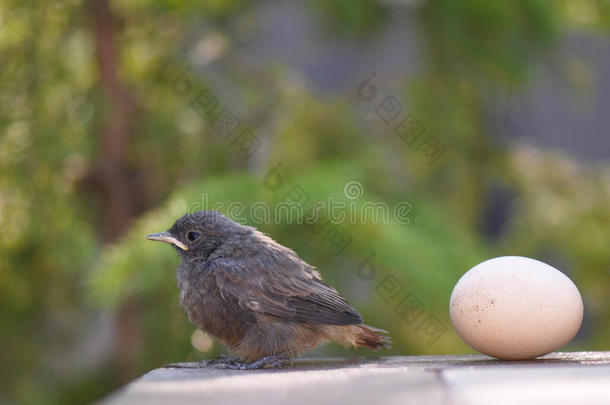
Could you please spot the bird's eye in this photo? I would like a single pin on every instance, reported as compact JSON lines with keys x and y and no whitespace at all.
{"x":192,"y":236}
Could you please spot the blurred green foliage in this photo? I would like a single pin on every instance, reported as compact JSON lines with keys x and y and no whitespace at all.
{"x":57,"y":269}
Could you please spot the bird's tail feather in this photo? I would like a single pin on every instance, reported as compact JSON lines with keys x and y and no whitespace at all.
{"x":372,"y":338}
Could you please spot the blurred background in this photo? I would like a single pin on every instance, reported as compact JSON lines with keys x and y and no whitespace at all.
{"x":486,"y":122}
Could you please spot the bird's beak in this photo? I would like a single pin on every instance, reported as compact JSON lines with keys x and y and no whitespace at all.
{"x":167,"y":238}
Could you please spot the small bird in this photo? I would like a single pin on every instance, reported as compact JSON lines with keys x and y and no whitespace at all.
{"x":259,"y":298}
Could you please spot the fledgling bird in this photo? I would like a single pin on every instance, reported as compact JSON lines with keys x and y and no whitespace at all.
{"x":258,"y":297}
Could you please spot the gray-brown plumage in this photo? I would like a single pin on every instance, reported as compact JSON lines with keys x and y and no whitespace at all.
{"x":257,"y":296}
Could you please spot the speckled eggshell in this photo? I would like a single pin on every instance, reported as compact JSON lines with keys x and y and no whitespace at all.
{"x":515,"y":308}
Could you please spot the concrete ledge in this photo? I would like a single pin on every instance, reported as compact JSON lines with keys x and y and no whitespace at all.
{"x":558,"y":378}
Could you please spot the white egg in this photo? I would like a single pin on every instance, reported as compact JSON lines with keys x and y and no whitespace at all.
{"x":515,"y":308}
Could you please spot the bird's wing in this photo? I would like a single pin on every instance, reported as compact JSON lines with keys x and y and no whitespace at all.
{"x":296,"y":295}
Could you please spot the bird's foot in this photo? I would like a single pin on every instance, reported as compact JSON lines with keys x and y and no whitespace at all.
{"x":222,"y":361}
{"x":230,"y":363}
{"x":267,"y":362}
